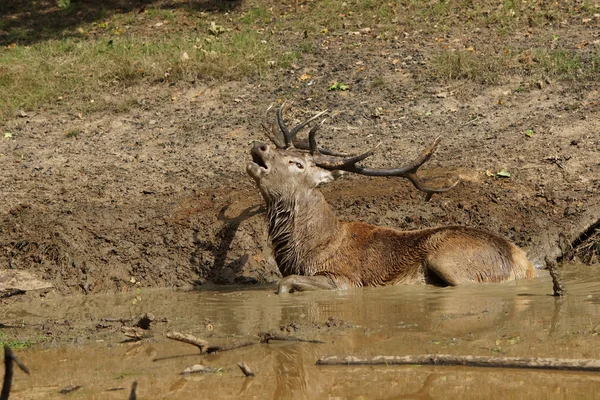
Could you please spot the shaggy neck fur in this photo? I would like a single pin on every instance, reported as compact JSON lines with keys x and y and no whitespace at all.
{"x":303,"y":231}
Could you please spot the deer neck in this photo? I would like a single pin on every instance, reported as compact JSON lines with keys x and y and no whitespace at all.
{"x":303,"y":231}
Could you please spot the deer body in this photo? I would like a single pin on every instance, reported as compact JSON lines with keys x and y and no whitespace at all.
{"x":314,"y":250}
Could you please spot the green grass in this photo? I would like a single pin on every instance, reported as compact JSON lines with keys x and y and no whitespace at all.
{"x":14,"y":343}
{"x":256,"y":16}
{"x":160,"y":14}
{"x":480,"y":68}
{"x":72,"y":68}
{"x":491,"y":69}
{"x":569,"y":65}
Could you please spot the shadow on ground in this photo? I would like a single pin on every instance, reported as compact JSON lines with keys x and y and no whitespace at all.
{"x":220,"y":247}
{"x":24,"y":22}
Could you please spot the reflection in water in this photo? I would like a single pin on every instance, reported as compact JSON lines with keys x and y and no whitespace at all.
{"x":292,"y":378}
{"x":509,"y":319}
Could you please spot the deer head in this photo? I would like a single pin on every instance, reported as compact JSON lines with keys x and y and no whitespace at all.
{"x":292,"y":165}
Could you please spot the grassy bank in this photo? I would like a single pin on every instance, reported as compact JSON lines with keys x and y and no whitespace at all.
{"x":73,"y":51}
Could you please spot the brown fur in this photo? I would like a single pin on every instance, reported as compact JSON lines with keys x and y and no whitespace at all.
{"x":314,"y":250}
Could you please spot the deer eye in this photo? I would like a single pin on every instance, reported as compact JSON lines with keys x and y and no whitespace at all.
{"x":299,"y":165}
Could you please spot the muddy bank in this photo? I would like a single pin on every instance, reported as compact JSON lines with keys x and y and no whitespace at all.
{"x":165,"y":200}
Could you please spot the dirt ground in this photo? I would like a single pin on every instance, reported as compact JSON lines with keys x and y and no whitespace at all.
{"x":157,"y":195}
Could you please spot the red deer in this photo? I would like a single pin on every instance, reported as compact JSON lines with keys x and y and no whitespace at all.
{"x":315,"y":250}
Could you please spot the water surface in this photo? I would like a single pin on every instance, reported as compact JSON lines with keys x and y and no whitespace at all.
{"x":517,"y":319}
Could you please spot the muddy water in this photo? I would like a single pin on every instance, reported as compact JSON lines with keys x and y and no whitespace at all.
{"x":514,"y":319}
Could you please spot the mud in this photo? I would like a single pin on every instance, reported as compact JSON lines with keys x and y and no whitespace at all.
{"x":518,"y":319}
{"x":162,"y":197}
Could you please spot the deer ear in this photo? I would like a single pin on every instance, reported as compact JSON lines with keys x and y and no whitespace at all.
{"x":325,"y":176}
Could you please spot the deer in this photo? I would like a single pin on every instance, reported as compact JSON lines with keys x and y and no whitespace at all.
{"x":315,"y":250}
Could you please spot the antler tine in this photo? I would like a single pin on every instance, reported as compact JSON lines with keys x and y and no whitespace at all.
{"x":312,"y":141}
{"x":303,"y":145}
{"x":345,"y":163}
{"x":409,"y":171}
{"x":297,"y":128}
{"x":272,"y":131}
{"x":290,"y":136}
{"x":332,"y":162}
{"x":284,"y":129}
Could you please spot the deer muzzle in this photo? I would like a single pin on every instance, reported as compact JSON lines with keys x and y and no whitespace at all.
{"x":258,"y":166}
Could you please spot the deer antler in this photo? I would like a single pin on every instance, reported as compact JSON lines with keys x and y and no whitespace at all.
{"x":272,"y":132}
{"x":408,"y":171}
{"x":285,"y":138}
{"x":290,"y":136}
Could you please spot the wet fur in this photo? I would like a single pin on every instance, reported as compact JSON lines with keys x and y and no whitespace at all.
{"x":308,"y":240}
{"x":314,"y":250}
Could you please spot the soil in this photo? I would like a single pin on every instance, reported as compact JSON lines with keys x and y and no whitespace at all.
{"x":157,"y":195}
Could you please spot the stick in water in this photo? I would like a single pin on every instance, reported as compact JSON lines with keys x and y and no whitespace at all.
{"x":245,"y":369}
{"x":189,"y":339}
{"x":9,"y":358}
{"x":266,"y":337}
{"x":214,"y":349}
{"x":133,"y":395}
{"x":469,"y":361}
{"x":557,"y":285}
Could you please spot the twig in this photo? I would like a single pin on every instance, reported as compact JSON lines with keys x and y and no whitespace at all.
{"x":557,"y":285}
{"x":70,"y":389}
{"x":133,"y":395}
{"x":266,"y":337}
{"x":9,"y":358}
{"x":469,"y":361}
{"x":121,"y":320}
{"x":471,"y":120}
{"x":10,"y":292}
{"x":214,"y":349}
{"x":205,"y":348}
{"x":203,"y":344}
{"x":245,"y":369}
{"x":189,"y":339}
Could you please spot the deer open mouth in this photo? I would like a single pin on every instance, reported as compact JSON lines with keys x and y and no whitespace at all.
{"x":257,"y":159}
